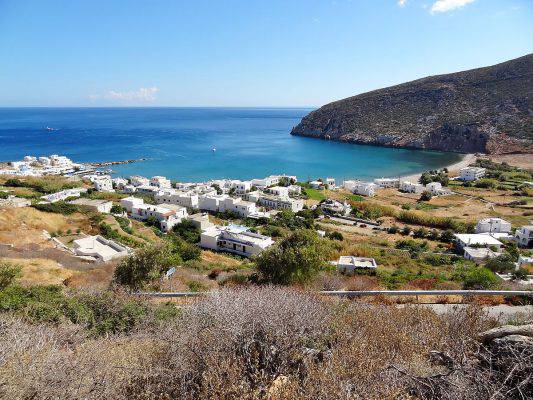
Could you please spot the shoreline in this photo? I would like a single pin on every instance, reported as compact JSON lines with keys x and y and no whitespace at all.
{"x":455,"y":167}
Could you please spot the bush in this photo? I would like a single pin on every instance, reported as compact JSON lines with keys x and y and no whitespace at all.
{"x":520,"y":274}
{"x":8,"y":273}
{"x":335,"y":235}
{"x":425,"y":196}
{"x":117,"y":209}
{"x":187,"y":231}
{"x":479,"y":278}
{"x":144,"y":266}
{"x":59,"y":207}
{"x":501,"y":264}
{"x":187,"y":251}
{"x":295,"y":259}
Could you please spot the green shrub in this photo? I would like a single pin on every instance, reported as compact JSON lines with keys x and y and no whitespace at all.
{"x":8,"y":273}
{"x":295,"y":259}
{"x":196,"y":286}
{"x":479,"y":278}
{"x":59,"y":207}
{"x":187,"y":231}
{"x":144,"y":266}
{"x":335,"y":235}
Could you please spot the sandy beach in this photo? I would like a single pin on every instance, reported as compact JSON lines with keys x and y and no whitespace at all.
{"x":453,"y":168}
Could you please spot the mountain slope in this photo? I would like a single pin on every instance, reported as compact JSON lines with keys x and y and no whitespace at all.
{"x":481,"y":110}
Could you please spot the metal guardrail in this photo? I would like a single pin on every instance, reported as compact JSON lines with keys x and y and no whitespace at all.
{"x":361,"y":293}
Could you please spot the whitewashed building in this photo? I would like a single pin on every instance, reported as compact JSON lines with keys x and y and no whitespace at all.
{"x":281,"y":203}
{"x":266,"y":182}
{"x":387,"y":182}
{"x":181,"y":198}
{"x":331,"y":206}
{"x":469,"y":174}
{"x":350,"y":264}
{"x":165,"y":217}
{"x":361,"y":188}
{"x":524,"y":236}
{"x":119,"y":183}
{"x":103,"y":206}
{"x":63,"y":195}
{"x":99,"y":248}
{"x":103,"y":184}
{"x":161,"y":182}
{"x":316,"y":184}
{"x":137,"y":180}
{"x":278,"y":191}
{"x":479,"y":254}
{"x":234,"y":239}
{"x":477,"y":240}
{"x":491,"y":225}
{"x":242,"y":187}
{"x":129,"y":202}
{"x":294,"y":190}
{"x":410,"y":187}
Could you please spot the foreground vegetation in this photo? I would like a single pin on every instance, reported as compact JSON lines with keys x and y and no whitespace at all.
{"x":260,"y":343}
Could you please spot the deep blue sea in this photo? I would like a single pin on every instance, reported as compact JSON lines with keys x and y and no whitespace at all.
{"x":249,"y":142}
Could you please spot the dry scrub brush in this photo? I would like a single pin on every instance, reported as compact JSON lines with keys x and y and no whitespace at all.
{"x":258,"y":343}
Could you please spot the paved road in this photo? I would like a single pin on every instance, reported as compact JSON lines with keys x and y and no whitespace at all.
{"x":501,"y":312}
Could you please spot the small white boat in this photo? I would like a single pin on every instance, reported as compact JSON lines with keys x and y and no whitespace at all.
{"x":214,"y":149}
{"x":51,"y":129}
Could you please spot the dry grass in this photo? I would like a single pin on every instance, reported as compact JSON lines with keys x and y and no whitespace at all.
{"x":22,"y":226}
{"x":40,"y":271}
{"x":259,"y":343}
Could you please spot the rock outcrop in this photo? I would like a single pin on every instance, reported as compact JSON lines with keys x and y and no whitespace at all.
{"x":486,"y":110}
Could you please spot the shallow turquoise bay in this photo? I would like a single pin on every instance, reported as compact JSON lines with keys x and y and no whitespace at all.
{"x":249,"y":142}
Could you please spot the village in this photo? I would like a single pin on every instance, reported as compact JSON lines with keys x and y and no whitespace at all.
{"x":243,"y":218}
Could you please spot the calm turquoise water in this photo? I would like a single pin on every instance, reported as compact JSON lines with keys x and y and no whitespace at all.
{"x":178,"y":141}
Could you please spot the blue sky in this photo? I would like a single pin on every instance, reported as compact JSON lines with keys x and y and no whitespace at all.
{"x":243,"y":52}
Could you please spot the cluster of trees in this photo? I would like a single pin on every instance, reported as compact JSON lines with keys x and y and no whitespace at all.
{"x":435,"y":176}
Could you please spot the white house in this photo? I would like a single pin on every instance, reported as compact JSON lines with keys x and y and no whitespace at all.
{"x":252,"y":196}
{"x":278,"y":191}
{"x":103,"y":184}
{"x":63,"y":195}
{"x":365,"y":189}
{"x":294,"y":190}
{"x":242,"y":187}
{"x":316,"y":184}
{"x":129,"y":202}
{"x":524,"y":236}
{"x":491,"y":225}
{"x":349,"y":264}
{"x":281,"y":203}
{"x":211,"y":202}
{"x":119,"y":183}
{"x":435,"y":188}
{"x":331,"y":183}
{"x":238,"y":206}
{"x":331,"y":206}
{"x":479,"y":254}
{"x":161,"y":182}
{"x":234,"y":239}
{"x":147,"y":189}
{"x":99,"y":248}
{"x":129,"y":189}
{"x":387,"y":182}
{"x":103,"y":206}
{"x":410,"y":187}
{"x":137,"y":180}
{"x":172,"y":196}
{"x":266,"y":182}
{"x":165,"y":217}
{"x":200,"y":220}
{"x":471,"y":173}
{"x":477,"y":240}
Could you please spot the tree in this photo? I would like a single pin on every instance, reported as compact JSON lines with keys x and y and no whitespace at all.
{"x":446,"y":236}
{"x":117,"y":209}
{"x":296,"y":259}
{"x":187,"y":231}
{"x":501,"y":264}
{"x":8,"y":273}
{"x":187,"y":251}
{"x":520,"y":274}
{"x":479,"y":278}
{"x":425,"y":196}
{"x":144,"y":266}
{"x":406,"y":231}
{"x":336,"y":235}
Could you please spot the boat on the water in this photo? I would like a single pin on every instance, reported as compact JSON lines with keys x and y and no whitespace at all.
{"x":51,"y":129}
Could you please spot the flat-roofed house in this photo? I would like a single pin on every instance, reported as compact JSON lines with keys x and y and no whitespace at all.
{"x":278,"y":191}
{"x":362,"y":188}
{"x":99,"y":248}
{"x":129,"y":202}
{"x":350,"y":264}
{"x":181,"y":198}
{"x":469,"y":174}
{"x":281,"y":203}
{"x":103,"y":206}
{"x":524,"y":236}
{"x":165,"y":217}
{"x":103,"y":183}
{"x":410,"y":187}
{"x":387,"y":182}
{"x":490,"y":225}
{"x":477,"y":240}
{"x":479,"y":254}
{"x":137,"y":180}
{"x":160,"y":182}
{"x":234,"y":239}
